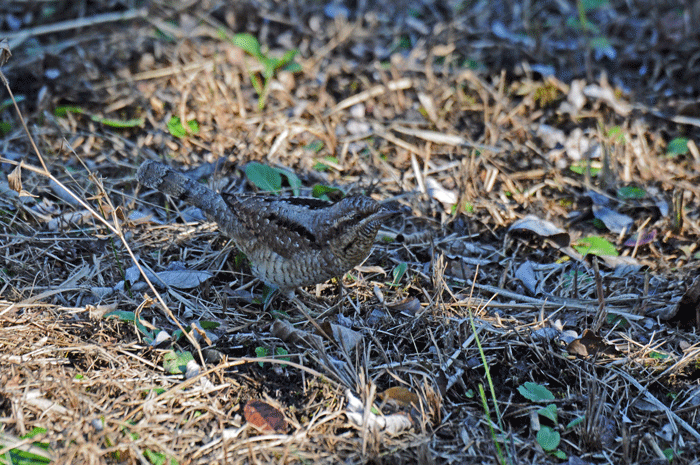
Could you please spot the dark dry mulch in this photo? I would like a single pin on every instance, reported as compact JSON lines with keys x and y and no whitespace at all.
{"x":470,"y":117}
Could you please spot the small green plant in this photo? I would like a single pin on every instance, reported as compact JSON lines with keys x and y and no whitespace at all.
{"x":547,"y":437}
{"x":315,"y":146}
{"x":595,"y":245}
{"x":123,"y":315}
{"x":631,"y":193}
{"x":323,"y":192}
{"x":547,"y":95}
{"x":581,"y":166}
{"x":322,"y":166}
{"x":616,"y":134}
{"x":175,"y":362}
{"x":596,"y":41}
{"x":677,"y":146}
{"x":62,"y":111}
{"x":271,"y":65}
{"x":398,"y":273}
{"x":178,"y":130}
{"x":261,"y":352}
{"x":484,"y":398}
{"x":158,"y":458}
{"x":38,"y":454}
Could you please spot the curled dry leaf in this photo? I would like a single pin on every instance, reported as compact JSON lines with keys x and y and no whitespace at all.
{"x":614,"y":221}
{"x":345,"y":337}
{"x":394,"y":423}
{"x":589,"y":345}
{"x":409,"y":306}
{"x":5,"y":53}
{"x":264,"y":417}
{"x":526,"y":274}
{"x":288,"y":333}
{"x":401,"y":396}
{"x":14,"y":179}
{"x":439,"y":193}
{"x":542,"y":228}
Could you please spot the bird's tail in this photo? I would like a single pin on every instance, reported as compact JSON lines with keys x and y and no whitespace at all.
{"x":155,"y":175}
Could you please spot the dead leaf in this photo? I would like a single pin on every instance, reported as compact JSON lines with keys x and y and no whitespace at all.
{"x":542,"y":228}
{"x":409,"y":306}
{"x":616,"y":222}
{"x":288,"y":333}
{"x":264,"y":417}
{"x":5,"y":53}
{"x":345,"y":337}
{"x":14,"y":179}
{"x":401,"y":396}
{"x":526,"y":274}
{"x":589,"y":345}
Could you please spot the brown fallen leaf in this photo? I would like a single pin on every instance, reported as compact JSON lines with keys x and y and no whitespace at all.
{"x":264,"y":417}
{"x":589,"y":345}
{"x":402,"y":396}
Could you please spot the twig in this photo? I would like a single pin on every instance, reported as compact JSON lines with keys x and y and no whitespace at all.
{"x":16,"y":38}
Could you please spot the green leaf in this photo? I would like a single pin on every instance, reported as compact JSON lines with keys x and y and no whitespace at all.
{"x":288,"y":57}
{"x":63,"y":110}
{"x":121,"y":315}
{"x":549,"y":412}
{"x":281,"y":352}
{"x":630,"y":193}
{"x":535,"y":392}
{"x":316,"y":146}
{"x":7,"y":103}
{"x":616,"y":134}
{"x":560,"y":454}
{"x":270,"y":64}
{"x":668,"y":453}
{"x":575,"y":422}
{"x":5,"y":128}
{"x":548,"y":438}
{"x":261,"y":352}
{"x":130,"y":317}
{"x":209,"y":324}
{"x":175,"y":362}
{"x":589,"y":5}
{"x":595,"y":245}
{"x":248,"y":43}
{"x":149,"y":335}
{"x":117,"y":123}
{"x":158,"y":458}
{"x":320,"y":191}
{"x":580,"y":167}
{"x":678,"y":146}
{"x":21,"y":457}
{"x":293,"y":67}
{"x":178,"y":130}
{"x":292,"y":179}
{"x":264,"y":177}
{"x":34,"y":432}
{"x":398,"y":273}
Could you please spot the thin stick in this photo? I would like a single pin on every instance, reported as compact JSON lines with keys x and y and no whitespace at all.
{"x":16,"y":38}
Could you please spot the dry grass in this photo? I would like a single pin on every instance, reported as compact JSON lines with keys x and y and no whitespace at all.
{"x":412,"y":126}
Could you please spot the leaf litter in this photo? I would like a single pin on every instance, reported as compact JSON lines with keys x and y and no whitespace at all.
{"x":457,"y":118}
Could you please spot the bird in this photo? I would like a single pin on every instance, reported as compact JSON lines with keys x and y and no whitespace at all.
{"x":290,"y":241}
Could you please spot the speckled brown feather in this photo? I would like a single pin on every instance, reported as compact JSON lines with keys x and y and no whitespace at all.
{"x":290,"y":241}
